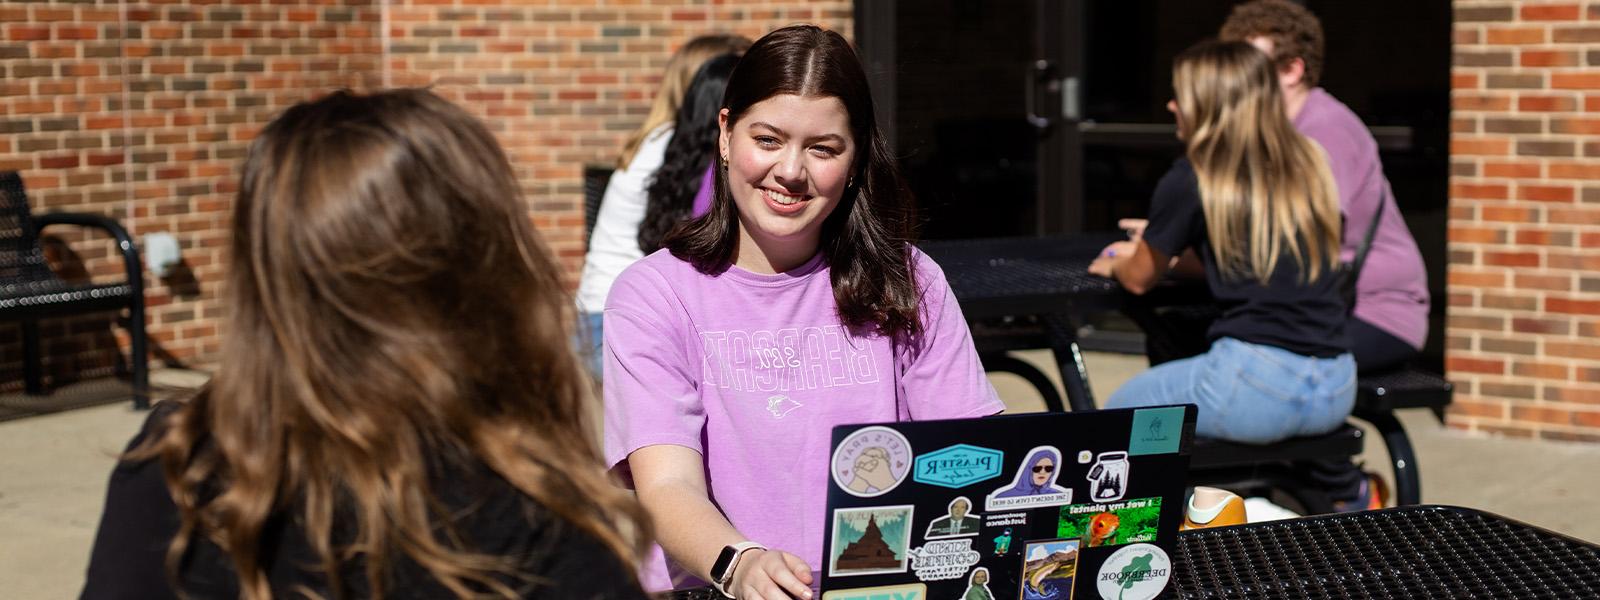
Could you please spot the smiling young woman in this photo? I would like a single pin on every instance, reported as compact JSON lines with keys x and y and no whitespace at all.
{"x":796,"y":304}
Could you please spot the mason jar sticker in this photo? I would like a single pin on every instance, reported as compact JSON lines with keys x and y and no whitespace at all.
{"x":1136,"y":572}
{"x":1108,"y":478}
{"x":871,"y":461}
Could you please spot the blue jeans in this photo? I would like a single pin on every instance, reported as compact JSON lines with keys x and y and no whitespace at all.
{"x":589,"y":341}
{"x":1250,"y":393}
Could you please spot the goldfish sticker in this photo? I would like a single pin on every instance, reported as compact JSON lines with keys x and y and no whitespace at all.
{"x":1112,"y":524}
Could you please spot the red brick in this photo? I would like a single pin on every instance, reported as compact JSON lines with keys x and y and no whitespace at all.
{"x":27,"y":33}
{"x":1480,"y":191}
{"x":1546,"y":193}
{"x":1572,"y":395}
{"x":1571,"y":306}
{"x":1511,"y":259}
{"x":1587,"y":350}
{"x":1535,"y":281}
{"x":1474,"y":365}
{"x":1483,"y":102}
{"x":1519,"y":36}
{"x":1575,"y":216}
{"x":1576,"y":170}
{"x":58,"y":162}
{"x":1536,"y":58}
{"x":1547,"y":103}
{"x":1539,"y":370}
{"x":1514,"y":170}
{"x":1477,"y":235}
{"x":1470,"y":408}
{"x":1480,"y":147}
{"x":1541,"y":326}
{"x":1575,"y":81}
{"x":1539,"y":414}
{"x":1477,"y":279}
{"x":1551,"y":12}
{"x":1510,"y":214}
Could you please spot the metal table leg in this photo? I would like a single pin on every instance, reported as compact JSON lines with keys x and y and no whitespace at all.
{"x":1069,"y":359}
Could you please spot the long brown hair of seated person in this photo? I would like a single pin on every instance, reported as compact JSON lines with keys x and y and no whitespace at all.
{"x":389,"y":310}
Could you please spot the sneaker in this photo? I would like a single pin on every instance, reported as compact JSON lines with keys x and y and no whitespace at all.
{"x":1374,"y":495}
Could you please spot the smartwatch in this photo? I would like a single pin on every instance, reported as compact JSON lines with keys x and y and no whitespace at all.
{"x":727,"y":561}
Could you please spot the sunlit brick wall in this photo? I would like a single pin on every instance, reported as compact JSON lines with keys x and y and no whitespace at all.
{"x":1524,"y":313}
{"x":141,"y":111}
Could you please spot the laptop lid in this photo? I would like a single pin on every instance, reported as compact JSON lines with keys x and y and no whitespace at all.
{"x":1054,"y":506}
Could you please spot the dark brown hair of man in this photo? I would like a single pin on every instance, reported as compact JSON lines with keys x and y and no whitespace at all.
{"x":390,"y":312}
{"x":866,"y":241}
{"x":1295,"y":33}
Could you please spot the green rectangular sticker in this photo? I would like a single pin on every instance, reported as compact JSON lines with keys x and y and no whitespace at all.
{"x":1156,"y":431}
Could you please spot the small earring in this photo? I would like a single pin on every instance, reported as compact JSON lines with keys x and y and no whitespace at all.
{"x":851,"y":182}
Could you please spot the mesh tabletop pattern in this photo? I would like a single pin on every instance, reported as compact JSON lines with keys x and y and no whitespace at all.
{"x":1400,"y":553}
{"x":1012,"y":267}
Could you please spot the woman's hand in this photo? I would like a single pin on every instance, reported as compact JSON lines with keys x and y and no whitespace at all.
{"x":1105,"y":264}
{"x":1134,"y":227}
{"x":770,"y":575}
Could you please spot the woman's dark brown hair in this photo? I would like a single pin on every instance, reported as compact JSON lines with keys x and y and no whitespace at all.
{"x":867,"y":239}
{"x":390,"y":310}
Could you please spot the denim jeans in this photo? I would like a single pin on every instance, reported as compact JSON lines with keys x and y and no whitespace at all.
{"x":589,"y":341}
{"x":1250,"y":393}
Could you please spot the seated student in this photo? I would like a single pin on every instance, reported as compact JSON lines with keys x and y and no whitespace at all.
{"x":397,"y":411}
{"x":681,"y":188}
{"x":1257,"y":202}
{"x":614,"y":243}
{"x":796,"y":304}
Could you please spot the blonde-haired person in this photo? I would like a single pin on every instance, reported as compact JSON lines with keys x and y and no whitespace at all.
{"x":397,"y":411}
{"x":1257,"y":202}
{"x":614,"y":243}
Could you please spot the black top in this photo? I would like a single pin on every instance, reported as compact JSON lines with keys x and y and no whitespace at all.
{"x":140,"y":520}
{"x":1304,"y":318}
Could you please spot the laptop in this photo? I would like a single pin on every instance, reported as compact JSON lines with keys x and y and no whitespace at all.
{"x":1057,"y":506}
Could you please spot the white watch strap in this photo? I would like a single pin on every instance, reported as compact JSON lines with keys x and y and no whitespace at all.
{"x":733,"y":565}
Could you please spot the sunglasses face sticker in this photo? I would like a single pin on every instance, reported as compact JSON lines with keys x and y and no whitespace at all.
{"x":1034,"y":484}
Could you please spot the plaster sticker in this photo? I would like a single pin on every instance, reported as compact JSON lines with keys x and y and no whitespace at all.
{"x":1048,"y":569}
{"x":958,"y":466}
{"x":947,"y":559}
{"x":870,"y":541}
{"x":871,"y":461}
{"x":1135,"y":572}
{"x":1034,"y":484}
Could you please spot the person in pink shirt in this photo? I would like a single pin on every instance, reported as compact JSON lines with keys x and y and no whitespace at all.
{"x":798,"y":304}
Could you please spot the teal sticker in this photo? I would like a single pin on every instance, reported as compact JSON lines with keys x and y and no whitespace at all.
{"x":1156,"y":431}
{"x":957,"y":466}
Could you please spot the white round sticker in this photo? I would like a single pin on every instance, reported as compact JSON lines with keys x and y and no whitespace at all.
{"x":871,"y":461}
{"x":1135,"y":572}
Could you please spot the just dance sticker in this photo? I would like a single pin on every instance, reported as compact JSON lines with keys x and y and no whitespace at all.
{"x":871,"y":461}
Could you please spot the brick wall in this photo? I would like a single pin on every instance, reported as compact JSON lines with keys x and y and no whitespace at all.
{"x":142,"y":110}
{"x":1523,"y":331}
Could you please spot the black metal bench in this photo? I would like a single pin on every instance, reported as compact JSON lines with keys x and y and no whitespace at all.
{"x":1378,"y":396}
{"x":29,"y":290}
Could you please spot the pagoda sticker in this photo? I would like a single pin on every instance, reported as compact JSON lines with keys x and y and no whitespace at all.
{"x":870,"y":541}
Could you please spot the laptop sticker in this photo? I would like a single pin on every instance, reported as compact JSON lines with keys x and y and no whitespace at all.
{"x":1111,"y":524}
{"x":978,"y":585}
{"x":1084,"y":456}
{"x":1156,"y":431}
{"x":870,"y":541}
{"x":1034,"y":484}
{"x":958,"y":522}
{"x":1136,"y":572}
{"x":1002,"y":543}
{"x":1108,"y":478}
{"x":943,"y":559}
{"x":1048,"y":570}
{"x":957,"y":466}
{"x":1005,"y":520}
{"x":909,"y":591}
{"x":871,"y":461}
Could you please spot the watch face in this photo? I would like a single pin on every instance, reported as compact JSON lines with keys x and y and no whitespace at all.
{"x":719,"y":570}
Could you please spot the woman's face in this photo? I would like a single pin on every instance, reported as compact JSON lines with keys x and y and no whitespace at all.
{"x":789,"y":159}
{"x":1042,"y":470}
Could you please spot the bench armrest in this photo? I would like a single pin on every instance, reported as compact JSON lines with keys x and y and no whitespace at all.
{"x":130,"y":252}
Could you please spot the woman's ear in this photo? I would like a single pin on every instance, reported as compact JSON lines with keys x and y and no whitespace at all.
{"x":722,"y":136}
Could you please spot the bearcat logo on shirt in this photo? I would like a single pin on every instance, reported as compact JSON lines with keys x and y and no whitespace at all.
{"x":782,"y":360}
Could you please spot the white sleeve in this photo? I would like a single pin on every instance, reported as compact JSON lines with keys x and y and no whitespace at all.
{"x":615,"y":242}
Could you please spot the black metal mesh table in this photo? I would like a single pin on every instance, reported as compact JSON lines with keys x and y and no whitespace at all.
{"x":1401,"y":553}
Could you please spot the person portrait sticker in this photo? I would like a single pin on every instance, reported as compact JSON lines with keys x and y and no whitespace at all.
{"x":1034,"y":485}
{"x":871,"y":461}
{"x":959,"y":522}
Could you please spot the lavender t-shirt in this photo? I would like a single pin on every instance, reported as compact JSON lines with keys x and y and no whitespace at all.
{"x":1392,"y":292}
{"x":753,"y":371}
